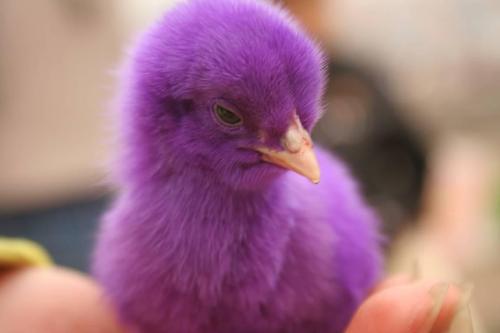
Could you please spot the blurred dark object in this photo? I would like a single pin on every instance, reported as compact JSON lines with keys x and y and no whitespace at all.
{"x":364,"y":128}
{"x":66,"y":232}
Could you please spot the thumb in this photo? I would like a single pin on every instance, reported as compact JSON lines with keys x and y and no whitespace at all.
{"x":420,"y":307}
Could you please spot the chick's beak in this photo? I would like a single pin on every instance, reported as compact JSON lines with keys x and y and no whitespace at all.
{"x":297,"y":154}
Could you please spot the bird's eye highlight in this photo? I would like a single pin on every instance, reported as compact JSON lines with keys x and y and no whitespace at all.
{"x":226,"y":117}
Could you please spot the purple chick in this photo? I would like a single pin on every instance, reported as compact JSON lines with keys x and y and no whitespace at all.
{"x":218,"y":226}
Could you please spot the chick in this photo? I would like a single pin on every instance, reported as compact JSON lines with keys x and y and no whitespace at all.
{"x":222,"y":222}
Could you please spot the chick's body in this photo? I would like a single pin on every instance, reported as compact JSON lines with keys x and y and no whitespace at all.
{"x":204,"y":236}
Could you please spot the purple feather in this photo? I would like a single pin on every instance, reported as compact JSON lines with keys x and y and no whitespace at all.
{"x":204,"y":237}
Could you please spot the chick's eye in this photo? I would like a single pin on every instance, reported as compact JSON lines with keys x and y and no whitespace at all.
{"x":226,"y":116}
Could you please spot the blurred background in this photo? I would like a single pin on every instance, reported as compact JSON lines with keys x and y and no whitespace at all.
{"x":412,"y":104}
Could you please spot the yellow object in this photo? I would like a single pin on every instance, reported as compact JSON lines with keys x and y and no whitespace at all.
{"x":16,"y":253}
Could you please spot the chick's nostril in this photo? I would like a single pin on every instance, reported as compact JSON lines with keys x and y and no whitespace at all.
{"x":293,"y":140}
{"x":296,"y":138}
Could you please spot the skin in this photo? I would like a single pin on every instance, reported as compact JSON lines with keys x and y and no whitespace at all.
{"x":31,"y":300}
{"x":53,"y":300}
{"x":400,"y":305}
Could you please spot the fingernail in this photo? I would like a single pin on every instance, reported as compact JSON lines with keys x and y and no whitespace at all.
{"x":438,"y":294}
{"x":462,"y":320}
{"x":466,"y":290}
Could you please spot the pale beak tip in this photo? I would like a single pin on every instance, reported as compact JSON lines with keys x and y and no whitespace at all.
{"x":315,"y":178}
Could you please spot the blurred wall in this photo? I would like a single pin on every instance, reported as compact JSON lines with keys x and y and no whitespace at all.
{"x":57,"y":61}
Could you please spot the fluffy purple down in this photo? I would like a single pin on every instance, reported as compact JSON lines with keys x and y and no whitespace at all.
{"x":203,"y":236}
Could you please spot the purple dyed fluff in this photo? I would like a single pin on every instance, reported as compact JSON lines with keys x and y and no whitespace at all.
{"x":203,"y":236}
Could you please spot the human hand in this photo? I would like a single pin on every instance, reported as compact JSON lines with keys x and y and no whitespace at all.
{"x":53,"y":300}
{"x":400,"y":305}
{"x":58,"y":301}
